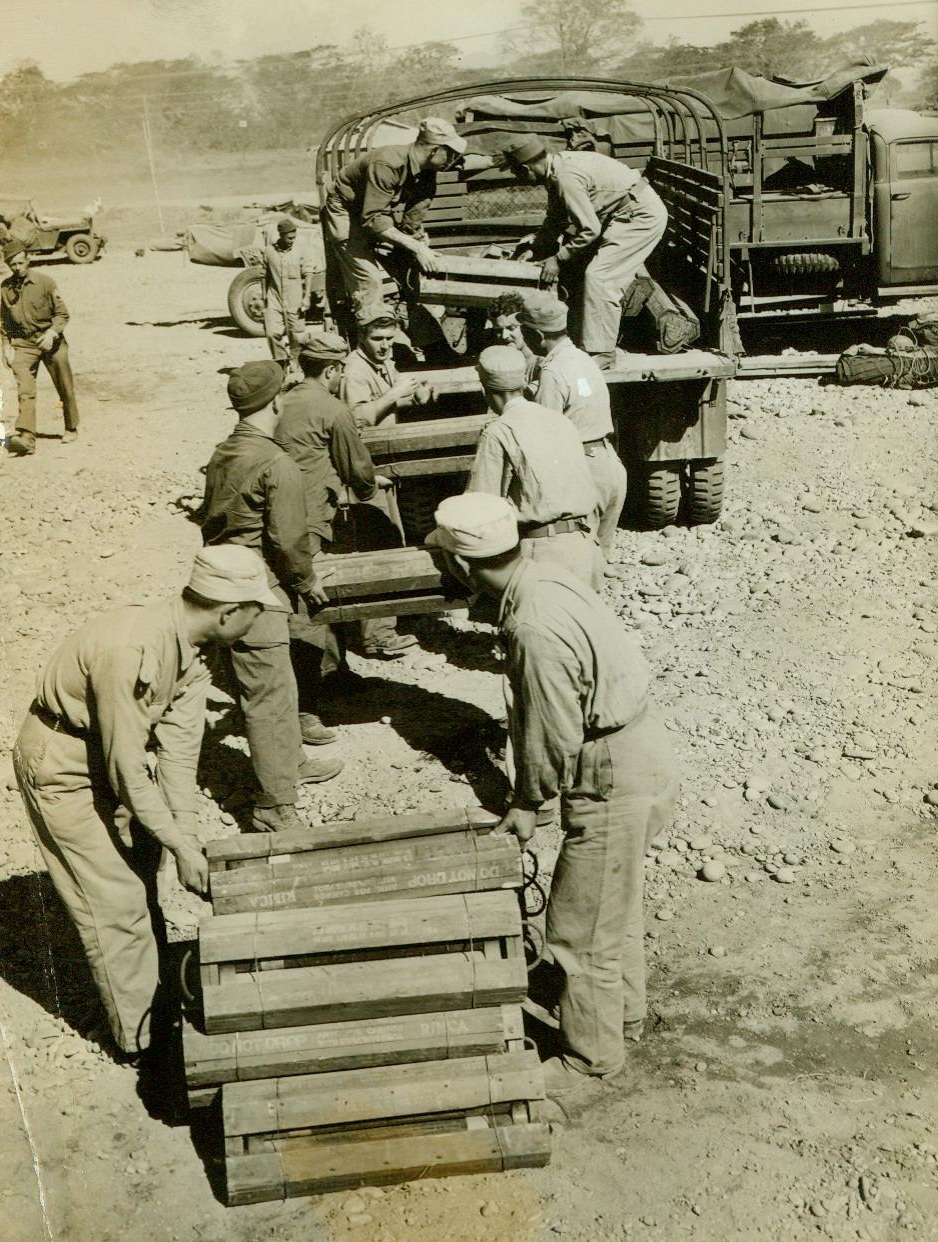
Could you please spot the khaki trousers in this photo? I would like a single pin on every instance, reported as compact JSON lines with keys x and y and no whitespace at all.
{"x":623,"y":247}
{"x":623,"y":797}
{"x":267,"y":690}
{"x":26,"y":359}
{"x":107,"y":885}
{"x":612,"y":483}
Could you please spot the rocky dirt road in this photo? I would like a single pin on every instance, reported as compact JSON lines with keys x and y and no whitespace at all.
{"x":787,"y":1086}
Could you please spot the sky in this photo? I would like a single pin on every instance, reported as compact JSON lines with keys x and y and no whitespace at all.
{"x":67,"y":38}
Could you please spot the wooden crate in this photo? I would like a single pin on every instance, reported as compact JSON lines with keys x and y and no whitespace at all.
{"x":454,"y":862}
{"x":321,"y":1132}
{"x":463,"y":280}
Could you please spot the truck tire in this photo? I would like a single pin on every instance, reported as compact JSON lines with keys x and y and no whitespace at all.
{"x":417,"y":501}
{"x":808,"y":264}
{"x":661,"y":496}
{"x":246,"y":300}
{"x":704,"y":492}
{"x":81,"y":248}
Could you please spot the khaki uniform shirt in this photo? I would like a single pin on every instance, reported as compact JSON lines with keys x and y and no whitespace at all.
{"x":364,"y":381}
{"x":534,"y":457}
{"x":574,"y":672}
{"x":130,"y":679}
{"x":31,"y":306}
{"x":381,"y":186}
{"x":567,"y":379}
{"x":585,"y":190}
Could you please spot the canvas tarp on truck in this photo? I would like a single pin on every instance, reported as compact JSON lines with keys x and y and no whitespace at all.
{"x":622,"y":118}
{"x":237,"y":245}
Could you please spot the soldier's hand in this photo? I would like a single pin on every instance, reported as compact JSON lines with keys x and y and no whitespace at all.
{"x":423,"y":394}
{"x":550,"y":271}
{"x":8,"y":357}
{"x":192,"y":869}
{"x":383,"y":482}
{"x":47,"y":340}
{"x":316,"y":595}
{"x":520,"y":823}
{"x":426,"y":259}
{"x":405,"y":387}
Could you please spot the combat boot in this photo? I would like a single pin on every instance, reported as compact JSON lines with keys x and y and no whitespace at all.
{"x":314,"y":771}
{"x":313,"y":731}
{"x":283,"y":818}
{"x":22,"y":443}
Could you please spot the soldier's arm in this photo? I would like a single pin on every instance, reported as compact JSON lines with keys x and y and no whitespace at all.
{"x":584,"y":224}
{"x":286,"y":528}
{"x":551,"y":393}
{"x":491,"y":469}
{"x":351,"y":458}
{"x":547,"y":719}
{"x":59,"y":312}
{"x":179,"y":741}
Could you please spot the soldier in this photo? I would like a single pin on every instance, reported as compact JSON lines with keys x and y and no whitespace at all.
{"x":610,"y":220}
{"x":345,"y":510}
{"x":567,"y":379}
{"x":504,"y":316}
{"x":32,"y":326}
{"x":357,"y":218}
{"x":287,"y":288}
{"x":534,"y":457}
{"x":582,"y":726}
{"x":371,"y":386}
{"x":128,"y":682}
{"x":254,"y":497}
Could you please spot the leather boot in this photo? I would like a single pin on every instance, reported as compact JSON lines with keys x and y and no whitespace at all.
{"x":282,"y":818}
{"x":313,"y":731}
{"x":314,"y":771}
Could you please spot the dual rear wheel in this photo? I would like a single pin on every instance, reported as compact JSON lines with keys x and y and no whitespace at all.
{"x":698,"y":485}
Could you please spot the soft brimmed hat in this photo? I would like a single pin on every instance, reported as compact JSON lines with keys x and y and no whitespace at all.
{"x":369,"y":312}
{"x":439,"y":133}
{"x":544,"y":311}
{"x":285,"y":226}
{"x":254,"y":385}
{"x":231,"y":574}
{"x":14,"y":247}
{"x":502,"y":368}
{"x":324,"y":347}
{"x":524,"y":150}
{"x":475,"y":525}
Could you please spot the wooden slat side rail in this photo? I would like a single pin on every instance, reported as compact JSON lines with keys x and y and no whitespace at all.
{"x":311,"y":994}
{"x":242,"y":1056}
{"x":348,"y":1097}
{"x":341,"y":929}
{"x":315,"y":1167}
{"x":232,"y":851}
{"x":462,"y":431}
{"x":391,"y":606}
{"x":466,"y":864}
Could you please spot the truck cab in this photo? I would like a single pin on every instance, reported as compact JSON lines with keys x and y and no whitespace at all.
{"x":904,"y":200}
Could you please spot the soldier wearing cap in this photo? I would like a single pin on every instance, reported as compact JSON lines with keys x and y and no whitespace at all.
{"x":567,"y":379}
{"x":603,"y":220}
{"x":358,"y":218}
{"x":582,"y":726}
{"x":288,"y":281}
{"x":534,"y":457}
{"x":32,"y":330}
{"x":126,"y":688}
{"x":371,"y":386}
{"x":254,"y":497}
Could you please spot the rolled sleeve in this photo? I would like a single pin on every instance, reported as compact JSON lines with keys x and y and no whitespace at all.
{"x":547,"y":715}
{"x":123,"y":718}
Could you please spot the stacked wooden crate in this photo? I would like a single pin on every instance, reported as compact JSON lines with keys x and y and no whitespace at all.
{"x":361,"y":1006}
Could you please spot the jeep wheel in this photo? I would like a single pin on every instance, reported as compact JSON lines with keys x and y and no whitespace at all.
{"x":661,"y":496}
{"x":704,"y":498}
{"x":81,"y":248}
{"x":246,"y":300}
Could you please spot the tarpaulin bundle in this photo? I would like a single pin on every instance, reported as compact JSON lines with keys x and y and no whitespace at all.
{"x":892,"y":368}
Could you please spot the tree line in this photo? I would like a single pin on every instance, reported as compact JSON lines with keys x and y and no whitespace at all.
{"x":289,"y":101}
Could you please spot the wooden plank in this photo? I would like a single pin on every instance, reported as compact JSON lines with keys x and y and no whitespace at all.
{"x":502,"y":271}
{"x":347,"y":1097}
{"x":351,"y":990}
{"x":393,"y":606}
{"x":341,"y":929}
{"x":234,"y":850}
{"x":214,"y":1059}
{"x":317,"y":1168}
{"x":436,"y":292}
{"x":421,"y":437}
{"x":421,"y":467}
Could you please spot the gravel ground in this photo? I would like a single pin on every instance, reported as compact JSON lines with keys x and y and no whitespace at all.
{"x":787,"y":1086}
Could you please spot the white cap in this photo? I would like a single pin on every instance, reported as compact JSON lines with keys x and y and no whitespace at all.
{"x":475,"y":525}
{"x":439,"y":133}
{"x":232,"y":574}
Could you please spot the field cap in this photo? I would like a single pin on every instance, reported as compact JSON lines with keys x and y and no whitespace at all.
{"x":232,"y":574}
{"x":439,"y":133}
{"x":13,"y":247}
{"x":475,"y":525}
{"x":502,"y":368}
{"x":254,"y":385}
{"x":524,"y":150}
{"x":324,"y":347}
{"x":285,"y":226}
{"x":371,"y":311}
{"x":545,"y":312}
